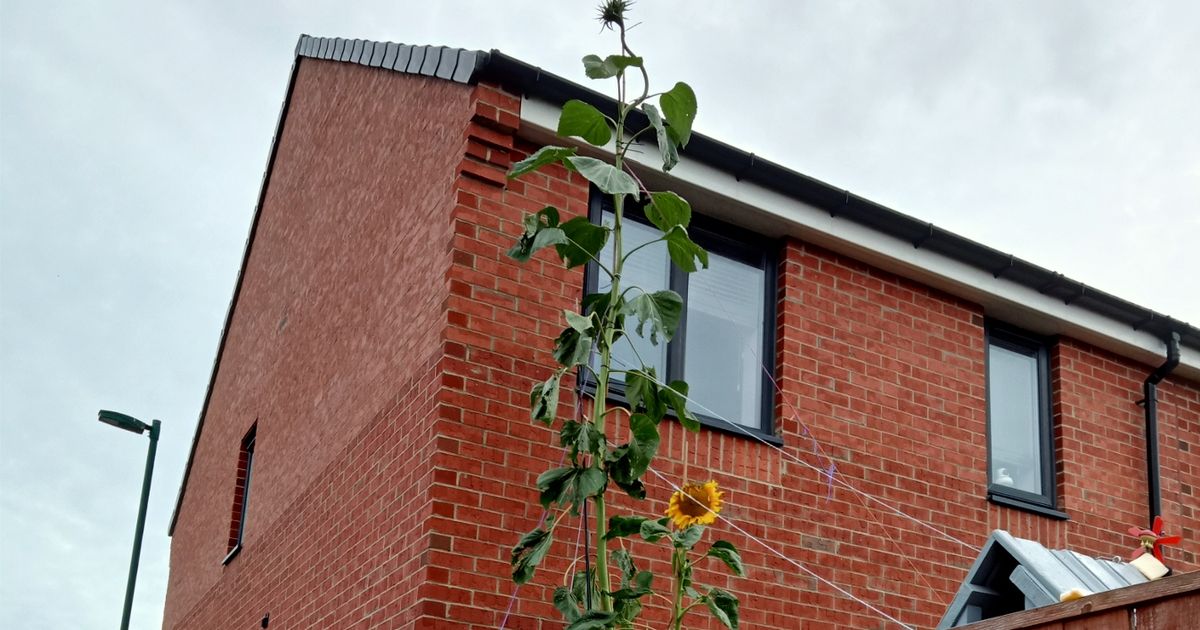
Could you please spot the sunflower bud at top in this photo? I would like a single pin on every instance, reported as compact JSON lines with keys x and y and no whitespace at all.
{"x":612,"y":12}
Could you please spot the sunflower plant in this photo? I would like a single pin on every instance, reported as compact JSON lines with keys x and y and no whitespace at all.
{"x":610,"y":590}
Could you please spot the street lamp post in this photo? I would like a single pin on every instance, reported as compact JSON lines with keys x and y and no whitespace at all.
{"x":129,"y":423}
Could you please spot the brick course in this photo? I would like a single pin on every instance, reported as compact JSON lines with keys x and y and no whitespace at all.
{"x":398,"y":456}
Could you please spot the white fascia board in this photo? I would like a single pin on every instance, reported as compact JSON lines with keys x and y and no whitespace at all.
{"x":778,"y":214}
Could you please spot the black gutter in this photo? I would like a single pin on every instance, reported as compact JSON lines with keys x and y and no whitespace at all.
{"x":1149,"y":403}
{"x":528,"y":80}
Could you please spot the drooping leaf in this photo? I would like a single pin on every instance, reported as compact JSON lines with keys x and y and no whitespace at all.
{"x":592,"y":620}
{"x":566,"y":603}
{"x":653,"y":531}
{"x":623,"y":561}
{"x":642,"y":393}
{"x":619,"y":466}
{"x":528,"y":553}
{"x":679,"y":108}
{"x":584,"y":121}
{"x":643,"y":444}
{"x":724,"y":551}
{"x":581,"y":437}
{"x":608,"y":178}
{"x":631,"y":592}
{"x":541,"y":230}
{"x":675,"y":394}
{"x":661,"y":309}
{"x":592,"y":440}
{"x":724,"y":606}
{"x":684,"y":253}
{"x":540,"y":158}
{"x":666,"y":210}
{"x":598,"y":303}
{"x":579,"y":588}
{"x":581,"y":323}
{"x":589,"y":483}
{"x":596,"y":68}
{"x":621,"y":526}
{"x":582,"y":241}
{"x":543,"y":400}
{"x":666,"y":144}
{"x":687,"y":538}
{"x":572,"y":348}
{"x":554,"y":485}
{"x":625,"y":610}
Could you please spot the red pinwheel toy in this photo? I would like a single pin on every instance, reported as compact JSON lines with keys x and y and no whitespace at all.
{"x":1152,"y":539}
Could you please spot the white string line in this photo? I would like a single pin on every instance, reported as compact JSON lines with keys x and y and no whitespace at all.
{"x":775,"y":551}
{"x":819,"y":470}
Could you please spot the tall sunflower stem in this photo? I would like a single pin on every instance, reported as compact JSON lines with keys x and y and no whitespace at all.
{"x":603,"y":583}
{"x":678,"y":566}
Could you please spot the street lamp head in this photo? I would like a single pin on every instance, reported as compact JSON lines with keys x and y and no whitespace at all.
{"x":122,"y":421}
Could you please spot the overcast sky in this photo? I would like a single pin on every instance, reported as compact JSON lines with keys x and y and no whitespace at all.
{"x":133,"y":138}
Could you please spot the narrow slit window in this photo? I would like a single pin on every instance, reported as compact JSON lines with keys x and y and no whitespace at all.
{"x":241,"y":494}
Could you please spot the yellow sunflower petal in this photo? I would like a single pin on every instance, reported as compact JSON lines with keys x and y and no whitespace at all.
{"x":695,"y":504}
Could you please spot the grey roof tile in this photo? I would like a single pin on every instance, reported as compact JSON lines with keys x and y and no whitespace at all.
{"x":389,"y":55}
{"x":402,"y":59}
{"x":445,"y":67}
{"x":454,"y":64}
{"x":415,"y":61}
{"x":430,"y":63}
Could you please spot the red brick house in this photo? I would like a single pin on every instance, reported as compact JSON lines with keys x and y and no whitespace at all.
{"x":365,"y":458}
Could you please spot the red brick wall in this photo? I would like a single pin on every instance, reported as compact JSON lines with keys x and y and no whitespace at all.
{"x":887,"y":375}
{"x":333,"y":345}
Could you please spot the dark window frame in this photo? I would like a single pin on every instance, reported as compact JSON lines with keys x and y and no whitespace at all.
{"x":730,"y":241}
{"x":1037,"y":347}
{"x":241,"y":496}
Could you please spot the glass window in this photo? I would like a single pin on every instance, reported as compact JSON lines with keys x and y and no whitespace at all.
{"x":724,"y":340}
{"x":1020,"y":442}
{"x":724,"y":347}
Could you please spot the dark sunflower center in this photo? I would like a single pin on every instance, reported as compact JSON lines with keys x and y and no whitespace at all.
{"x":696,"y":503}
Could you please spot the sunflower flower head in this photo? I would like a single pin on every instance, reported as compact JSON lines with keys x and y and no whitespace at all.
{"x":612,"y":12}
{"x":695,"y":504}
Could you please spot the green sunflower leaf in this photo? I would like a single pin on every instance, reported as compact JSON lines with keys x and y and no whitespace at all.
{"x":661,"y":309}
{"x":565,"y":602}
{"x":596,"y":68}
{"x":683,"y":252}
{"x":543,"y":400}
{"x":608,"y":178}
{"x":582,"y":241}
{"x":621,"y":526}
{"x":643,"y":444}
{"x":593,"y":620}
{"x":725,"y":552}
{"x":724,"y":606}
{"x":679,"y":108}
{"x":528,"y":553}
{"x":540,"y":158}
{"x":584,"y":121}
{"x":666,"y":144}
{"x":653,"y":531}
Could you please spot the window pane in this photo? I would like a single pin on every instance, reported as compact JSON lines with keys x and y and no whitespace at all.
{"x":1013,"y":405}
{"x":649,"y":269}
{"x":723,"y":354}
